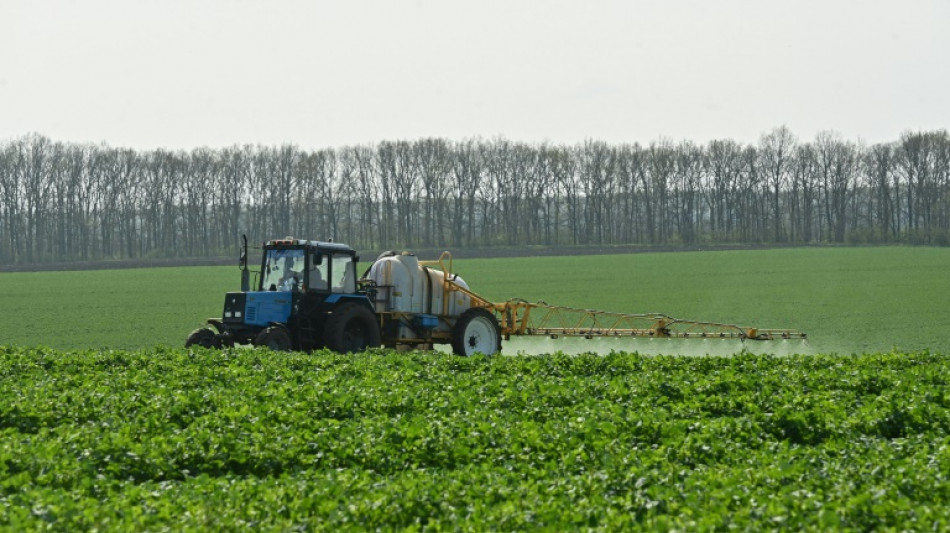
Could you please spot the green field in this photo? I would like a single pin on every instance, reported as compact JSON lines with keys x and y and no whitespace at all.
{"x":849,"y":300}
{"x":205,"y":440}
{"x":114,"y":427}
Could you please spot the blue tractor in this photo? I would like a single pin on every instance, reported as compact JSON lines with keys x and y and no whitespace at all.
{"x":305,"y":297}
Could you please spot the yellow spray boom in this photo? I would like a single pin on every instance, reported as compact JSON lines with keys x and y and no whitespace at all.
{"x":520,"y":317}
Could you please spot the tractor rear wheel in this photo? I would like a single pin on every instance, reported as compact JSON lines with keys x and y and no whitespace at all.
{"x":351,"y":328}
{"x":275,"y":338}
{"x":203,"y":337}
{"x":476,"y":331}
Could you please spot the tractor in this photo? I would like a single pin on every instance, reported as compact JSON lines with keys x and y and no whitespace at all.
{"x":307,"y":297}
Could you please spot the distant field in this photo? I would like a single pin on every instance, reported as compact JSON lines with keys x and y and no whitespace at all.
{"x":849,"y":300}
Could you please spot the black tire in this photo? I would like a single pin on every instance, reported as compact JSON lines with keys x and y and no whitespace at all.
{"x":275,"y":338}
{"x":351,"y":328}
{"x":476,"y":331}
{"x":203,"y":337}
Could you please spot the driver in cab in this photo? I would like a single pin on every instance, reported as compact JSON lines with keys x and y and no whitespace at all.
{"x":292,"y":278}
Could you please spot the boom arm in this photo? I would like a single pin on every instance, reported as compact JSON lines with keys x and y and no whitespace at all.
{"x":519,"y":317}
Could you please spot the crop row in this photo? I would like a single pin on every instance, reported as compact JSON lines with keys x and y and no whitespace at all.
{"x":194,"y":439}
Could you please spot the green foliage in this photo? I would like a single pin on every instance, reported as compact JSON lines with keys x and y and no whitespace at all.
{"x":195,"y":440}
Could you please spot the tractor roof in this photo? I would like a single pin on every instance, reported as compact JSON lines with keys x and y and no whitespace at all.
{"x":322,"y":245}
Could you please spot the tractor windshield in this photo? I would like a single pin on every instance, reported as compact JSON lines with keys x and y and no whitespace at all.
{"x":283,"y":270}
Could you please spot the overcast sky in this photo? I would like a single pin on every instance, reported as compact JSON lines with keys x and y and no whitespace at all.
{"x":184,"y":74}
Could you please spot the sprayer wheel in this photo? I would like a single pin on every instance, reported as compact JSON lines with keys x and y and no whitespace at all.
{"x":476,"y":331}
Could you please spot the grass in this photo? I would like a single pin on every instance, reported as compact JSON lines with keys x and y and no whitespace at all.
{"x":849,"y":300}
{"x":130,"y":308}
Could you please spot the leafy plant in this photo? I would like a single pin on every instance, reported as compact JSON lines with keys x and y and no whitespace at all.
{"x":203,"y":439}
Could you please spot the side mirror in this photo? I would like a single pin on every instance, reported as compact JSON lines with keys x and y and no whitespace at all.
{"x":242,"y":259}
{"x":242,"y":264}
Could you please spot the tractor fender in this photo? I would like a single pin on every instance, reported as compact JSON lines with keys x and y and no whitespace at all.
{"x":361,"y":299}
{"x":280,"y":325}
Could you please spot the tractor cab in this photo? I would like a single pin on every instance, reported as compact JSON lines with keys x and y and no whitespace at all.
{"x":291,"y":265}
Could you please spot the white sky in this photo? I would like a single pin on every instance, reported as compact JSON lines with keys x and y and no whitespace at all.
{"x":184,"y":74}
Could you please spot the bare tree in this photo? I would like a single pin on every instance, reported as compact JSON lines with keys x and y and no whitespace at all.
{"x":879,"y":162}
{"x":11,"y":175}
{"x":660,"y":167}
{"x":688,"y":176}
{"x":434,"y":167}
{"x":923,"y":162}
{"x":229,"y":196}
{"x":361,"y":163}
{"x":837,"y":164}
{"x":804,"y":194}
{"x":775,"y":151}
{"x":597,"y":172}
{"x":467,"y":169}
{"x":399,"y":173}
{"x":77,"y":202}
{"x":723,"y":168}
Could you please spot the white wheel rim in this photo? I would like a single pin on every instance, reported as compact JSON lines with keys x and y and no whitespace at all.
{"x":480,"y":337}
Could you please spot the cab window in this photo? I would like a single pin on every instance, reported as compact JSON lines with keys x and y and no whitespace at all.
{"x":343,"y":274}
{"x":318,"y":272}
{"x":283,"y":270}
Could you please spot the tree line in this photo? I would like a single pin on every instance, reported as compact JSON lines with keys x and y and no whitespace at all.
{"x":74,"y":202}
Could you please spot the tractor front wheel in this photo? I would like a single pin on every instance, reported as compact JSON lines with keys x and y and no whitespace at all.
{"x":275,"y":338}
{"x":477,"y":331}
{"x":203,"y":337}
{"x":351,"y":328}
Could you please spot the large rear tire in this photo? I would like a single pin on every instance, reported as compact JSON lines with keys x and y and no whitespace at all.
{"x":351,"y":328}
{"x":476,"y":331}
{"x":275,"y":338}
{"x":203,"y":337}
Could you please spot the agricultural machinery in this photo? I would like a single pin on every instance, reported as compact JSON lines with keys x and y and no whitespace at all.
{"x":307,"y":296}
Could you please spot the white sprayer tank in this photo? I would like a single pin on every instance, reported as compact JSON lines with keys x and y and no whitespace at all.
{"x":403,"y":285}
